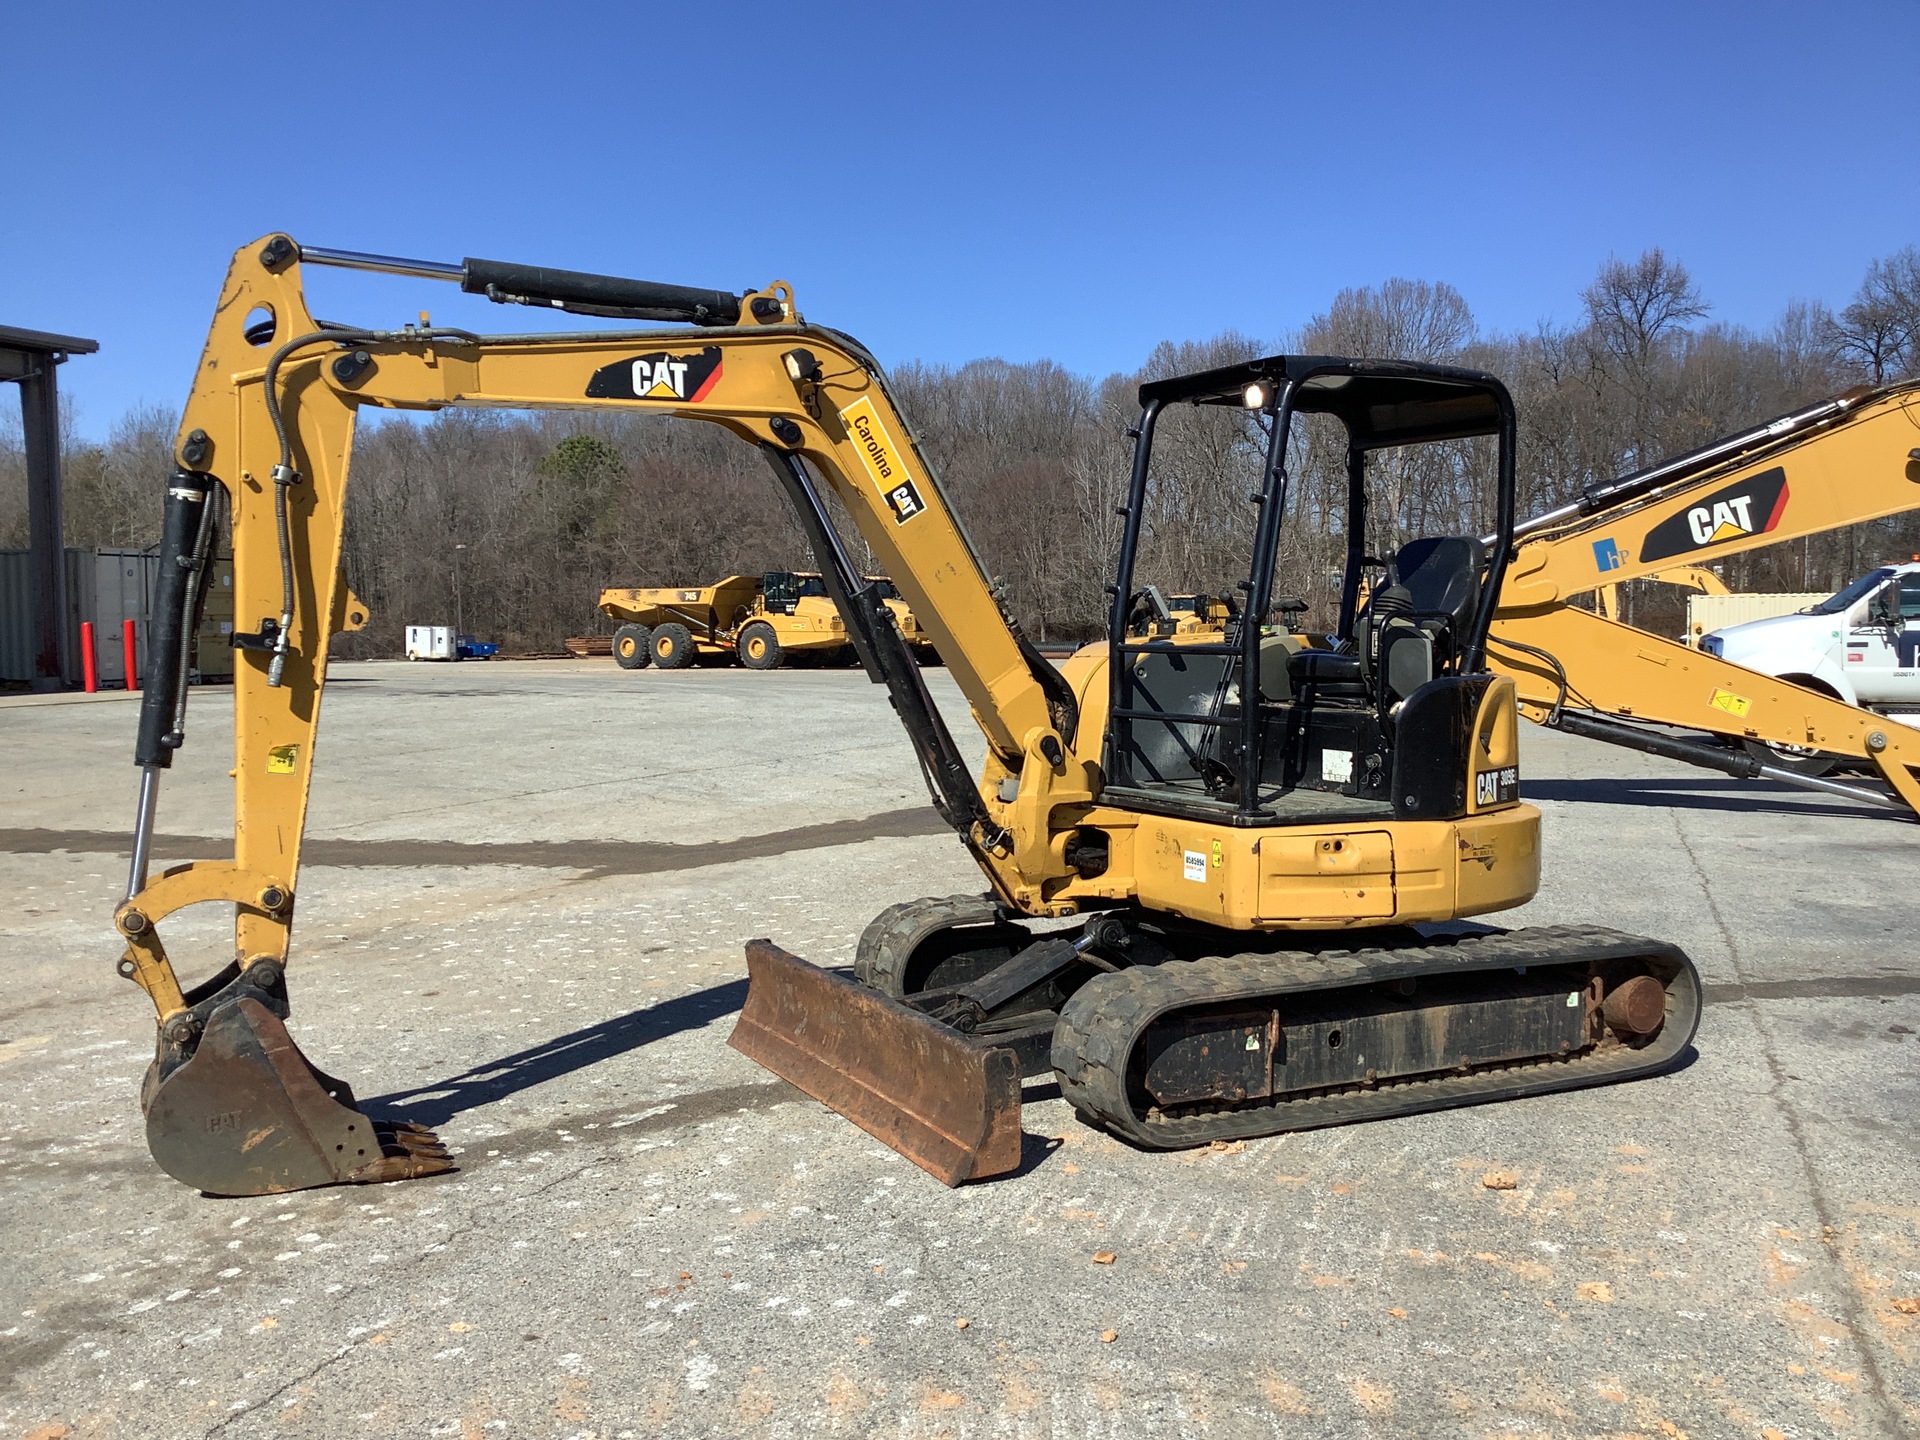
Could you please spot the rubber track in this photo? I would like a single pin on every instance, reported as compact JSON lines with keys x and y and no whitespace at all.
{"x":1104,"y":1020}
{"x":892,"y":936}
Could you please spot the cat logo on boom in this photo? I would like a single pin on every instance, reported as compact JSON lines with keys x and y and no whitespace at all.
{"x":1752,"y":507}
{"x":659,"y":375}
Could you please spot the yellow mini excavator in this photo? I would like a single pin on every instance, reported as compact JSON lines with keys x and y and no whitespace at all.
{"x":1218,"y":865}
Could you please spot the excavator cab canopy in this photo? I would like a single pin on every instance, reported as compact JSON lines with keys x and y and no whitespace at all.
{"x":1382,"y":403}
{"x":1249,"y":726}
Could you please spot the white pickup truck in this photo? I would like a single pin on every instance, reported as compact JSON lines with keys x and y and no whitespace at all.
{"x":1861,"y":645}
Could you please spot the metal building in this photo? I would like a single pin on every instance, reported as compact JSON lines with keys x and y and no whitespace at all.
{"x":29,"y":357}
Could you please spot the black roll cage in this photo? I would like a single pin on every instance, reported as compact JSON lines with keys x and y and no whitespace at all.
{"x":1383,"y":404}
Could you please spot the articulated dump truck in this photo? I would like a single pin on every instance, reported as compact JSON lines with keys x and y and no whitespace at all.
{"x":761,"y":620}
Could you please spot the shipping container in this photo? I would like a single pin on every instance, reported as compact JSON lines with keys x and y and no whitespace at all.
{"x":108,"y":587}
{"x":1708,"y":613}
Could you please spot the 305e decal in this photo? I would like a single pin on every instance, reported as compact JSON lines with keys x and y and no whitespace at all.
{"x":1496,"y":787}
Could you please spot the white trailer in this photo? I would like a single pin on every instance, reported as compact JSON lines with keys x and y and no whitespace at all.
{"x":431,"y":642}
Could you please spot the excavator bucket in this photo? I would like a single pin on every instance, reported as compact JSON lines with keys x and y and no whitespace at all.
{"x":248,"y":1114}
{"x":947,"y":1103}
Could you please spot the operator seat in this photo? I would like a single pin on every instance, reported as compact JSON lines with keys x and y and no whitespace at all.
{"x":1413,"y":627}
{"x":1442,"y":577}
{"x":1420,"y":615}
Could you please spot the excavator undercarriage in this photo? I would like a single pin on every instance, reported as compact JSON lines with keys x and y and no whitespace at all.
{"x":1162,"y":1040}
{"x":1226,"y":876}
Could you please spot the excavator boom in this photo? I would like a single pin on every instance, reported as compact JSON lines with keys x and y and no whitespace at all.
{"x":1846,"y":460}
{"x":232,"y":1105}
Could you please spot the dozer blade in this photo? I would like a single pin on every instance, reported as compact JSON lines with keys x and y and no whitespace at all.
{"x":248,"y":1114}
{"x":949,"y":1104}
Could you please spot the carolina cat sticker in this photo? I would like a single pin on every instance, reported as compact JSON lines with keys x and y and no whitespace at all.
{"x":882,"y":458}
{"x":658,"y":375}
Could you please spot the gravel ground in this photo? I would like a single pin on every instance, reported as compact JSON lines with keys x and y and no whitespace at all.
{"x":522,"y":924}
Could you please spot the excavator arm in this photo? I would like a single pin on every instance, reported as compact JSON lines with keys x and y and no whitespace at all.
{"x":1846,"y":460}
{"x":232,"y":1105}
{"x":1688,"y":577}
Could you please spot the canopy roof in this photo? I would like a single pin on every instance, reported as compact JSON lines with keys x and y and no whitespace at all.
{"x":1381,"y":402}
{"x":43,"y":342}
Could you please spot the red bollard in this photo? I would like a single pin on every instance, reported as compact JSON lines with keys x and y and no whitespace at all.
{"x":127,"y":649}
{"x":89,"y":666}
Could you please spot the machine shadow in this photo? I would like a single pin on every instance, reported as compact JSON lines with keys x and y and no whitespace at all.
{"x":1733,"y":796}
{"x":1034,"y":1149}
{"x":440,"y":1100}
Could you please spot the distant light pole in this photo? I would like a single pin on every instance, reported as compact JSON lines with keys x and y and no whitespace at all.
{"x":457,"y":626}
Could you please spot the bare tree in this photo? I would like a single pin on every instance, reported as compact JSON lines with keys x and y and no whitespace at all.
{"x":549,"y":507}
{"x":13,"y":477}
{"x":1398,"y":320}
{"x":1879,"y":333}
{"x":1634,"y":307}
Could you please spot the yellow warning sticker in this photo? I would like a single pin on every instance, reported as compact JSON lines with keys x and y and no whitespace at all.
{"x":1731,"y":703}
{"x":883,"y":459}
{"x":283,"y":759}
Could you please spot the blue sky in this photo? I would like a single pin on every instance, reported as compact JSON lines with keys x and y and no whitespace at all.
{"x":946,"y":182}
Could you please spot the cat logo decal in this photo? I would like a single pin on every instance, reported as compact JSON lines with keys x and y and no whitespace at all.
{"x":658,"y":375}
{"x":1752,"y":507}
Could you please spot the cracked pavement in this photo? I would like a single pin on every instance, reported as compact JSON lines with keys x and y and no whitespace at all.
{"x":649,"y":1235}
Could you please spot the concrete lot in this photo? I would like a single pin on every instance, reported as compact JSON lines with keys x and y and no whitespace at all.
{"x":522,"y":924}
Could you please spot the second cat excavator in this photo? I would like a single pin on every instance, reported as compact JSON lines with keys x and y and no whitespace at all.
{"x":1853,"y":458}
{"x":1220,"y":867}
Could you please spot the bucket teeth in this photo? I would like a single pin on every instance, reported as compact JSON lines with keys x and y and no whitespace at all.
{"x":408,"y":1152}
{"x":248,"y":1114}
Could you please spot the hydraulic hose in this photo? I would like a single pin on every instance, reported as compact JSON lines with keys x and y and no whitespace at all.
{"x":285,"y":477}
{"x":1552,"y":662}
